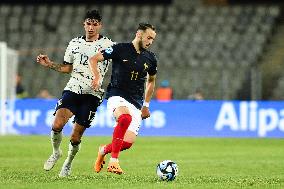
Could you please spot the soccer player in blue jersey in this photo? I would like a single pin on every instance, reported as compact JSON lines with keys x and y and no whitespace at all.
{"x":78,"y":98}
{"x":132,"y":66}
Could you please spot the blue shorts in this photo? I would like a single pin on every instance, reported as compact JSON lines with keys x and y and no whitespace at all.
{"x":83,"y":106}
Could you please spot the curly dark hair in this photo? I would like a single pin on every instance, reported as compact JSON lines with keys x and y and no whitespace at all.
{"x":93,"y":14}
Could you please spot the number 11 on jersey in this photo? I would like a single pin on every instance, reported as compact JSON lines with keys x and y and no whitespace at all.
{"x":134,"y":75}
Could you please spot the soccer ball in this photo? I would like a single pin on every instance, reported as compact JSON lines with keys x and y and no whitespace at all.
{"x":167,"y":170}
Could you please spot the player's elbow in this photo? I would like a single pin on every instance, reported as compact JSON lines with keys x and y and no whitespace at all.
{"x":95,"y":59}
{"x":67,"y":69}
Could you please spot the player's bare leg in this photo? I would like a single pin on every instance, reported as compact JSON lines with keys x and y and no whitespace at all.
{"x":61,"y":118}
{"x":74,"y":147}
{"x":129,"y":137}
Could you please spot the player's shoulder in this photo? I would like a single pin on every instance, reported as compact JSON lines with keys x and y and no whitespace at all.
{"x":151,"y":55}
{"x":105,"y":38}
{"x":122,"y":45}
{"x":78,"y":39}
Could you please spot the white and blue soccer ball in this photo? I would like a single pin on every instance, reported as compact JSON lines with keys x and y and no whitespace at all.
{"x":167,"y":170}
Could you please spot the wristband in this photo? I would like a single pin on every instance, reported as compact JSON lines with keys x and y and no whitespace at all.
{"x":146,"y":104}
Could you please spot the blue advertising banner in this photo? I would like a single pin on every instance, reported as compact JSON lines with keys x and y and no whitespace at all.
{"x":175,"y":118}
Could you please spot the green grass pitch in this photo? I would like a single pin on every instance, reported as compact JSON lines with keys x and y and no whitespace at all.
{"x":203,"y":163}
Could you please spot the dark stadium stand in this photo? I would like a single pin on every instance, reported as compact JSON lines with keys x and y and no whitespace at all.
{"x":206,"y":47}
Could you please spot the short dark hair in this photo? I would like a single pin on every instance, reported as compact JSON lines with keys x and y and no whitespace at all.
{"x":93,"y":14}
{"x":145,"y":26}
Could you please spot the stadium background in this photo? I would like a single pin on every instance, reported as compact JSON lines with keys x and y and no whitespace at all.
{"x":228,"y":49}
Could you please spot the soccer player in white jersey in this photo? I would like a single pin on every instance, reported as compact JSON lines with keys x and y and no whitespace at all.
{"x":78,"y":97}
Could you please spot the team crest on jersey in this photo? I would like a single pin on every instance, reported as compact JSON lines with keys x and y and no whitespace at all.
{"x":109,"y":50}
{"x":145,"y":66}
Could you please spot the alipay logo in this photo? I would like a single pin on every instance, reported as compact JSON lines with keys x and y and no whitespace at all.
{"x":249,"y":118}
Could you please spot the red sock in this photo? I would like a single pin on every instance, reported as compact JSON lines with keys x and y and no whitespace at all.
{"x":108,"y":148}
{"x":125,"y":146}
{"x":123,"y":123}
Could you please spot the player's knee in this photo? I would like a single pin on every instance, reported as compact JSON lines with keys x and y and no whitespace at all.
{"x":125,"y":119}
{"x":58,"y":125}
{"x":75,"y":141}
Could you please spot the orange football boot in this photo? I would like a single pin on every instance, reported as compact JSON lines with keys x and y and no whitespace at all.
{"x":100,"y":161}
{"x":114,"y":167}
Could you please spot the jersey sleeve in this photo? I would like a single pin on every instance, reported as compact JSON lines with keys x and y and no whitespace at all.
{"x":68,"y":56}
{"x":110,"y":52}
{"x":153,"y":69}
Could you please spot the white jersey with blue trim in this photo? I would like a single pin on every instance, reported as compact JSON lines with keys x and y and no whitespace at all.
{"x":77,"y":54}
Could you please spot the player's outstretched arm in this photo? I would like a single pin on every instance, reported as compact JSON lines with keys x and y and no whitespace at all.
{"x":93,"y":63}
{"x":149,"y":90}
{"x":46,"y":62}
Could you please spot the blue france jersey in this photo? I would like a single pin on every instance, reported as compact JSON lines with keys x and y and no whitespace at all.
{"x":129,"y":72}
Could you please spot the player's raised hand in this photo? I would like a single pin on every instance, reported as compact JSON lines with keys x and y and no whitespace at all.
{"x":145,"y":112}
{"x":43,"y":60}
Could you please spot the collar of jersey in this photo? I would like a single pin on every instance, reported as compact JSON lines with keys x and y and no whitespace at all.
{"x":84,"y":37}
{"x":141,"y":50}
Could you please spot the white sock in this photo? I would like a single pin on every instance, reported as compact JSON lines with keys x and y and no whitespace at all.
{"x":56,"y":138}
{"x":72,"y":152}
{"x":113,"y":160}
{"x":102,"y":150}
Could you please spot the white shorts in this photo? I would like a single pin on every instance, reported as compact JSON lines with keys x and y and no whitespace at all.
{"x":117,"y":101}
